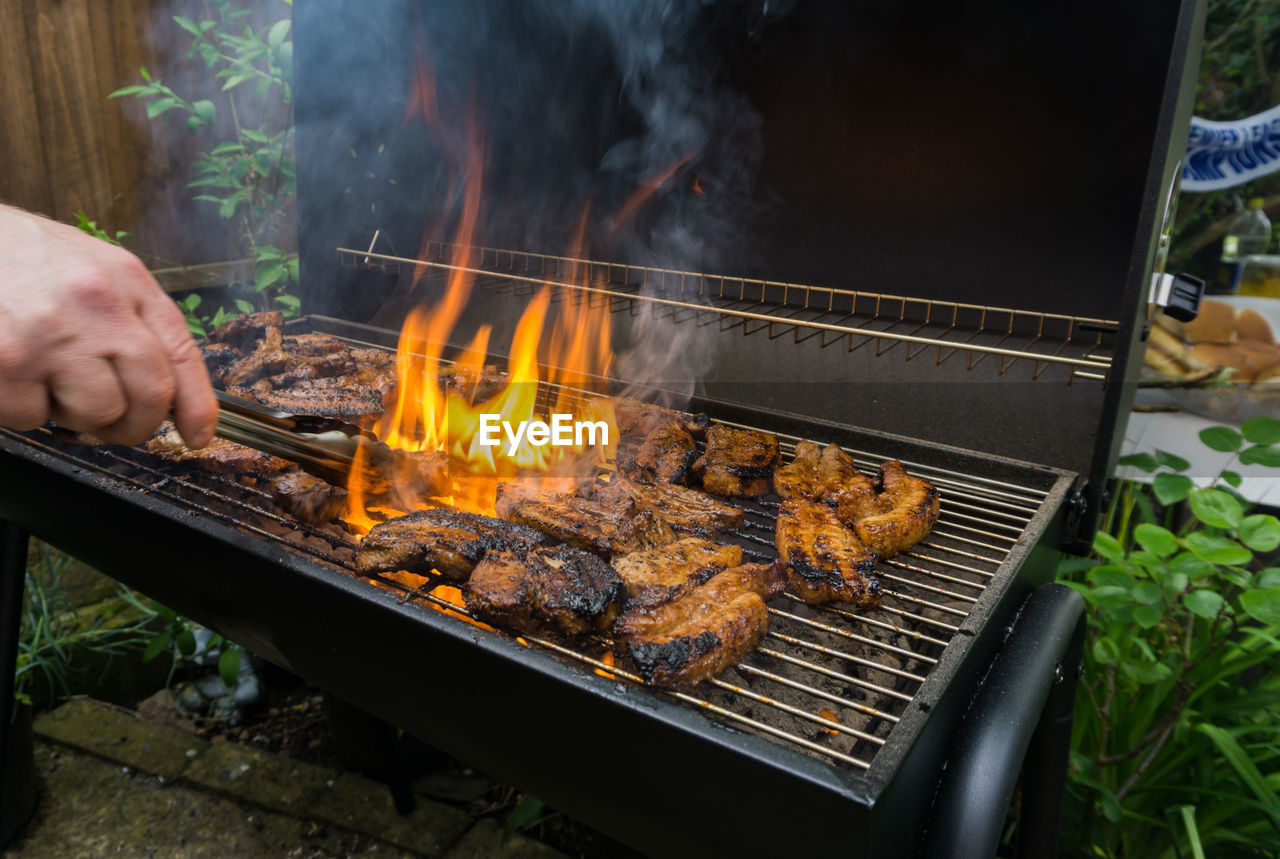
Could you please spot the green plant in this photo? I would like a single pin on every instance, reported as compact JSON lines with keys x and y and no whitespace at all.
{"x":51,"y":631}
{"x":1176,"y":745}
{"x":91,"y":227}
{"x":178,"y":633}
{"x":251,"y":176}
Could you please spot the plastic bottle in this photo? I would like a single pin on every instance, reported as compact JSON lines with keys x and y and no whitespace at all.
{"x":1249,"y":233}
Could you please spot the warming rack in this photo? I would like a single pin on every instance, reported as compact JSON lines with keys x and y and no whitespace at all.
{"x":829,"y":681}
{"x":1081,"y":345}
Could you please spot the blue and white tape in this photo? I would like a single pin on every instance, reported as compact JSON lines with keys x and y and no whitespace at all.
{"x":1226,"y":154}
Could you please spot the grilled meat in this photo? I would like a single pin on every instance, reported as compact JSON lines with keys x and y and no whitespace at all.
{"x":766,"y":581}
{"x":246,"y":330}
{"x":561,"y":590}
{"x":687,"y":511}
{"x":362,"y":408}
{"x":737,"y":461}
{"x":218,"y":358}
{"x":826,"y":562}
{"x":665,"y":455}
{"x":371,"y":357}
{"x":655,"y":576}
{"x":218,"y":456}
{"x":823,"y":474}
{"x":583,"y":522}
{"x":442,"y":539}
{"x":472,"y":384}
{"x":906,"y":512}
{"x":635,"y":417}
{"x":700,"y":634}
{"x":307,"y":498}
{"x":313,"y":345}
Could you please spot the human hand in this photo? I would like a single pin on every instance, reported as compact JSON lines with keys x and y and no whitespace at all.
{"x":90,"y":341}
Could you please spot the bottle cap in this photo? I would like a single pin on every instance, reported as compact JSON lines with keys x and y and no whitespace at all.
{"x":1256,"y":203}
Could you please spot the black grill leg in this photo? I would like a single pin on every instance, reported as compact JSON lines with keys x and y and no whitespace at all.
{"x":1044,"y":771}
{"x":366,"y":743}
{"x":13,"y":570}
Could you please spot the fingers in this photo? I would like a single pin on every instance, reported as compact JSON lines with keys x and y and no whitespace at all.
{"x":194,"y":405}
{"x":86,"y":394}
{"x":148,"y":385}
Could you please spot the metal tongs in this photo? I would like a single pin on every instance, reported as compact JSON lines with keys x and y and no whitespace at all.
{"x":325,"y":447}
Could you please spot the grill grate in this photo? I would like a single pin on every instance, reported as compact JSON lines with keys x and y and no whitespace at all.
{"x":827,"y":680}
{"x":857,"y":319}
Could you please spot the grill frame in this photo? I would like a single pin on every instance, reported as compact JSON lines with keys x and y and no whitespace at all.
{"x":248,"y":589}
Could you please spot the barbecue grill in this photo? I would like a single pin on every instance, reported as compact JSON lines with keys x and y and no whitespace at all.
{"x":996,"y":376}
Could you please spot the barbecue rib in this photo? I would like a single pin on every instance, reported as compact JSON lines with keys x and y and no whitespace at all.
{"x":474,"y":385}
{"x":635,"y":417}
{"x":362,"y":408}
{"x":582,"y":522}
{"x":825,"y":560}
{"x":826,"y":474}
{"x":687,"y":511}
{"x":218,"y":456}
{"x":446,"y":540}
{"x":246,"y":330}
{"x":737,"y":461}
{"x":560,"y":589}
{"x":655,"y":576}
{"x":665,"y":455}
{"x":700,"y":634}
{"x":908,"y":510}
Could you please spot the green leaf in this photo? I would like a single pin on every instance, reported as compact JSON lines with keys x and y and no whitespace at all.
{"x":1187,"y":814}
{"x":235,"y":81}
{"x":267,"y":275}
{"x":1148,"y":593}
{"x":291,"y":268}
{"x":1141,"y":461}
{"x":129,"y":90}
{"x":1191,"y":566}
{"x":1249,"y":774}
{"x":1177,"y":582}
{"x":158,"y":106}
{"x":186,"y":640}
{"x":1261,"y":430}
{"x":1260,"y":532}
{"x":1268,"y":456}
{"x":194,"y":326}
{"x":1156,"y":540}
{"x":186,"y":24}
{"x":1204,"y":603}
{"x":1223,"y":439}
{"x":1267,"y":578}
{"x":243,"y":306}
{"x":1262,"y":604}
{"x":291,"y":302}
{"x":278,"y":31}
{"x":1173,"y":461}
{"x":193,"y":123}
{"x":1237,"y":576}
{"x":146,"y":75}
{"x":1146,"y":617}
{"x":229,"y":665}
{"x":1105,"y":650}
{"x":205,"y":109}
{"x":1171,"y":488}
{"x":1144,"y":673}
{"x":227,"y":209}
{"x":226,"y":148}
{"x":157,"y":644}
{"x":1108,"y":547}
{"x":1217,"y":550}
{"x":1231,"y":478}
{"x":191,"y":302}
{"x":526,"y":813}
{"x":1216,"y":508}
{"x":254,"y":135}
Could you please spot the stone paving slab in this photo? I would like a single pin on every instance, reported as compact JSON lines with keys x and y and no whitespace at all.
{"x":108,"y":733}
{"x":272,"y":781}
{"x":362,"y":805}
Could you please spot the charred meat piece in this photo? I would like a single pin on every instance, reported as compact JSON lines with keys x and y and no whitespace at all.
{"x":635,"y":417}
{"x":737,"y":461}
{"x":362,"y":408}
{"x":582,"y":522}
{"x":246,"y":330}
{"x":442,"y":539}
{"x":906,"y":512}
{"x":307,"y":498}
{"x":655,"y":576}
{"x":313,"y":345}
{"x":665,"y":456}
{"x":826,"y":562}
{"x":824,"y":474}
{"x":475,"y":385}
{"x":561,"y":590}
{"x":687,"y":511}
{"x":700,"y":634}
{"x":766,"y":581}
{"x":218,"y":358}
{"x":218,"y":456}
{"x":371,"y":357}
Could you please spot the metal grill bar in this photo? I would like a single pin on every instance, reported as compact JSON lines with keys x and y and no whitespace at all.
{"x":740,"y":301}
